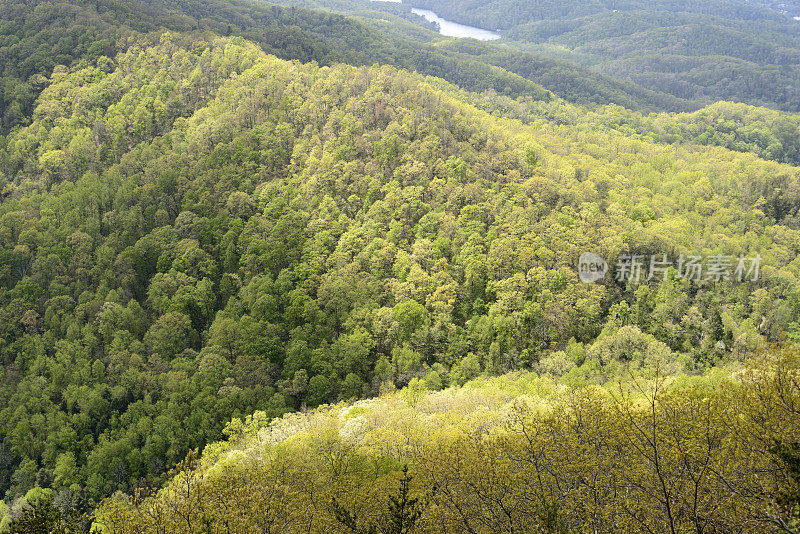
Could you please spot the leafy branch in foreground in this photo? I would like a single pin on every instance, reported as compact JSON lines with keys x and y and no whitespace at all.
{"x":402,"y":514}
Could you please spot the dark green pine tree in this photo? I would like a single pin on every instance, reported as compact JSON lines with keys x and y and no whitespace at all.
{"x":40,"y":517}
{"x":403,"y":512}
{"x":788,"y":455}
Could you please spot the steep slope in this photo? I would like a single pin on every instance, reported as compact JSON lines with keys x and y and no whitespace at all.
{"x":196,"y":230}
{"x":565,"y":79}
{"x":702,"y":51}
{"x":573,"y":83}
{"x":514,"y":454}
{"x":37,"y":36}
{"x":767,"y":133}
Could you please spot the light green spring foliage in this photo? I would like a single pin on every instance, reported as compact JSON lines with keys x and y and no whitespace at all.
{"x":5,"y":517}
{"x":767,"y":133}
{"x":485,"y":402}
{"x":41,"y":37}
{"x":197,"y":231}
{"x":508,"y":454}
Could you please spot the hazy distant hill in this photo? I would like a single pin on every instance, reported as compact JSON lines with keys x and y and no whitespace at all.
{"x":195,"y":230}
{"x":706,"y":51}
{"x":36,"y":36}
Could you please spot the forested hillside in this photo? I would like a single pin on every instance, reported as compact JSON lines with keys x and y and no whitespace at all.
{"x":196,"y":230}
{"x":702,"y":51}
{"x":769,"y":134}
{"x":567,"y":80}
{"x":217,"y":216}
{"x":515,"y":454}
{"x":36,"y":36}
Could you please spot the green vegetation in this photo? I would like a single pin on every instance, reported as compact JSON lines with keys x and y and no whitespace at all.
{"x":517,"y":454}
{"x":569,"y":81}
{"x":217,"y":216}
{"x":699,"y":51}
{"x":196,"y":230}
{"x":37,"y":36}
{"x":768,"y":134}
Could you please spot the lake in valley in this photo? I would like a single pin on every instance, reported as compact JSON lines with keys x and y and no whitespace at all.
{"x":453,"y":29}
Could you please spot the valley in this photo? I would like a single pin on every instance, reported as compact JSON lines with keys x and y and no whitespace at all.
{"x":326,"y":266}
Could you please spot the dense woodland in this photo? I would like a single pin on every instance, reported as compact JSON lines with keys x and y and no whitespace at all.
{"x":228,"y":219}
{"x":518,"y":454}
{"x":37,"y":36}
{"x":569,"y":81}
{"x":769,"y":134}
{"x":701,"y":51}
{"x":194,"y":234}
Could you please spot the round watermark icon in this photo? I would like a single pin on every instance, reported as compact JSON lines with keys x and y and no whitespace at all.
{"x":591,"y":267}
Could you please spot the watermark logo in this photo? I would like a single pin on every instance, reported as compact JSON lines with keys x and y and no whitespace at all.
{"x":591,"y":267}
{"x":692,"y":267}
